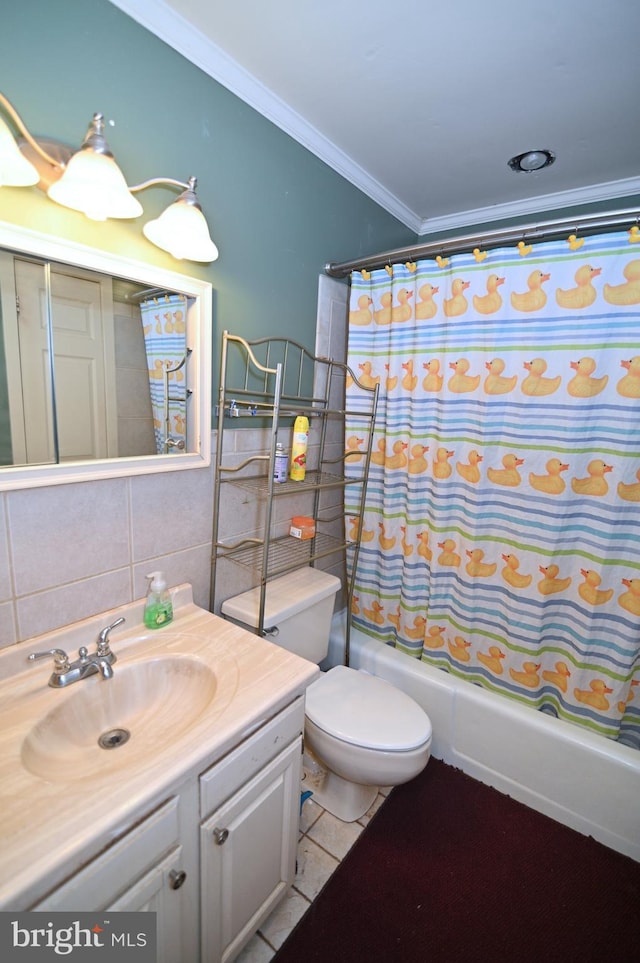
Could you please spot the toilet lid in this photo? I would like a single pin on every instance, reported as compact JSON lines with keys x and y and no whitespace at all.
{"x":367,"y":711}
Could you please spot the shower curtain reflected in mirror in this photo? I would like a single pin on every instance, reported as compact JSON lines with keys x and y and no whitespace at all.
{"x":501,"y":537}
{"x":164,"y":324}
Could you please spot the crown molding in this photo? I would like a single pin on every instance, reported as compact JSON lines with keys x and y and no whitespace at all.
{"x":176,"y":32}
{"x":611,"y":190}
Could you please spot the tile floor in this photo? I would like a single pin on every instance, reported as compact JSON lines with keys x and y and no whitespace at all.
{"x":324,"y":842}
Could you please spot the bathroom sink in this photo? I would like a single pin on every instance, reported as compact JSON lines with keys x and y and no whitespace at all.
{"x":105,"y":724}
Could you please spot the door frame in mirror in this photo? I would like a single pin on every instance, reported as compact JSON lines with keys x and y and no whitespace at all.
{"x":199,"y":340}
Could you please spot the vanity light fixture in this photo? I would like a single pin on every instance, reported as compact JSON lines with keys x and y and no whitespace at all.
{"x":531,"y":160}
{"x":89,"y":180}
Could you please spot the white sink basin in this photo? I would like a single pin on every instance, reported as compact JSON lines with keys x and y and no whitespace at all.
{"x":143,"y":707}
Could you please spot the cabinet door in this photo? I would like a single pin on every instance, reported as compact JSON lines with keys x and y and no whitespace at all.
{"x":163,"y":891}
{"x":248,"y":851}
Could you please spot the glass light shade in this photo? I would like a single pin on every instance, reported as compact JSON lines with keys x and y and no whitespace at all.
{"x":182,"y":231}
{"x":15,"y":169}
{"x":94,"y":184}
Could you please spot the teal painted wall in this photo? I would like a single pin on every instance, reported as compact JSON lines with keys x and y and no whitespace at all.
{"x":276,"y":212}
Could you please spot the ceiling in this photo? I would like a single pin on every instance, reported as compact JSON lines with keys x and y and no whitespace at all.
{"x":421,"y":104}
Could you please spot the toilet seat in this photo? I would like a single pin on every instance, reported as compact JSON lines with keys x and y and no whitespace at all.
{"x":364,"y":710}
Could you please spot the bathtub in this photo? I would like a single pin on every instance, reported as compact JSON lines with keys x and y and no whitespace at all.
{"x":585,"y":781}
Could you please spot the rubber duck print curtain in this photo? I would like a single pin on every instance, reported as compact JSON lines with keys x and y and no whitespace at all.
{"x":164,"y":326}
{"x":501,"y":536}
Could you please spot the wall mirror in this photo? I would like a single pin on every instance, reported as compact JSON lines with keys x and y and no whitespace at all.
{"x":105,"y":364}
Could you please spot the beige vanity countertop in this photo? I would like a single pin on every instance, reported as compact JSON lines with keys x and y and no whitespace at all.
{"x":48,"y":829}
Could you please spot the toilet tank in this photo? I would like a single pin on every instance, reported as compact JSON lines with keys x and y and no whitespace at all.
{"x":298,"y":610}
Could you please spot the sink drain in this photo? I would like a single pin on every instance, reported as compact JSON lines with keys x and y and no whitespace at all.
{"x":113,"y":738}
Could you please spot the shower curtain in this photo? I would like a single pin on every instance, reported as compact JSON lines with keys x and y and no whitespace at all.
{"x":164,"y":326}
{"x":501,"y":534}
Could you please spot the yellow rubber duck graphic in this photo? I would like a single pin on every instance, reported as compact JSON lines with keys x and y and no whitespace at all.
{"x":628,"y":293}
{"x":426,"y":307}
{"x":582,"y":385}
{"x":433,"y":637}
{"x":410,"y":380}
{"x":622,"y":705}
{"x":366,"y":376}
{"x":575,"y":242}
{"x":457,"y":304}
{"x":398,"y":459}
{"x":390,"y":380}
{"x":630,"y":600}
{"x":355,"y":605}
{"x":496,"y":383}
{"x":589,"y":590}
{"x":402,"y":311}
{"x":442,"y":261}
{"x":559,"y":677}
{"x":418,"y":630}
{"x":411,"y":266}
{"x":597,"y":698}
{"x":352,"y":451}
{"x":459,"y":649}
{"x":490,"y":302}
{"x":375,"y":613}
{"x":476,"y":567}
{"x":509,"y":475}
{"x":379,"y":457}
{"x":383,"y":314}
{"x":448,"y":555}
{"x":479,"y":255}
{"x":394,"y":618}
{"x":492,"y":659}
{"x":524,"y":249}
{"x":386,"y":542}
{"x":550,"y":584}
{"x":362,"y":314}
{"x":535,"y":298}
{"x":441,"y":466}
{"x":551,"y":483}
{"x":584,"y":294}
{"x":535,"y":385}
{"x":512,"y":576}
{"x":407,"y":547}
{"x":460,"y":381}
{"x":470,"y":472}
{"x":423,"y":545}
{"x":630,"y":492}
{"x":596,"y":483}
{"x":629,"y":385}
{"x":432,"y":381}
{"x":418,"y":463}
{"x":528,"y":676}
{"x":634,"y":234}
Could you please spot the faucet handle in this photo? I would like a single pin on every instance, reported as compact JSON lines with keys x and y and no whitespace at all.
{"x":60,"y":659}
{"x":103,"y":638}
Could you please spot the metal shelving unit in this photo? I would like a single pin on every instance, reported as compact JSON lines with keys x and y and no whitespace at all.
{"x":272,"y":380}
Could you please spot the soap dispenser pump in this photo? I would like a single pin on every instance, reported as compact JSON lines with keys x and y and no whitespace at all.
{"x":158,"y":610}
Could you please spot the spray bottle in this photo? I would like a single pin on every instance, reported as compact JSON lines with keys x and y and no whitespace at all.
{"x":158,"y":610}
{"x":299,"y":448}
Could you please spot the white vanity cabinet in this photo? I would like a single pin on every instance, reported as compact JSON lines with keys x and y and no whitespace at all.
{"x":214,"y":858}
{"x":147,"y":869}
{"x":250,"y":804}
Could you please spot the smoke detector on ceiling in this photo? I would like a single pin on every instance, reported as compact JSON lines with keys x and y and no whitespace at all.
{"x":532,"y":160}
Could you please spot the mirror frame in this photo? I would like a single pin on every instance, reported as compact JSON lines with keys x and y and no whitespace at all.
{"x":199,"y":339}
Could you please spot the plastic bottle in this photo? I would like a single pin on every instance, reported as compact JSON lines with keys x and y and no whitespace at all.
{"x":280,"y":464}
{"x":299,"y":448}
{"x":158,"y":610}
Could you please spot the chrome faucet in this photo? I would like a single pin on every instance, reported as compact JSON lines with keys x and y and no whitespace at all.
{"x":66,"y":672}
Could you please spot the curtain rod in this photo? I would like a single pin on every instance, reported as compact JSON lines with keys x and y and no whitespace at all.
{"x":545,"y":230}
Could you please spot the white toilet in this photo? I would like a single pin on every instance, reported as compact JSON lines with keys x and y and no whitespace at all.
{"x":363,"y":731}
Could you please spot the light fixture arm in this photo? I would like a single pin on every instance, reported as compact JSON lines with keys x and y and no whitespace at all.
{"x":22,"y":127}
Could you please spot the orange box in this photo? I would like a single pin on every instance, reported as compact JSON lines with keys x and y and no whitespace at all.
{"x":302,"y":527}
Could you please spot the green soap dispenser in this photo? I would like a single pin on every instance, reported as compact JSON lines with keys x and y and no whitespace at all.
{"x":158,"y":610}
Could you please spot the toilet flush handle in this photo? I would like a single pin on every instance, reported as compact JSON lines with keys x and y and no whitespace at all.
{"x":271,"y":632}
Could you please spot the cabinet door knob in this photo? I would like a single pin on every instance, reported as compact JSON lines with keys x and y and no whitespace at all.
{"x":176,"y":878}
{"x":220,"y":836}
